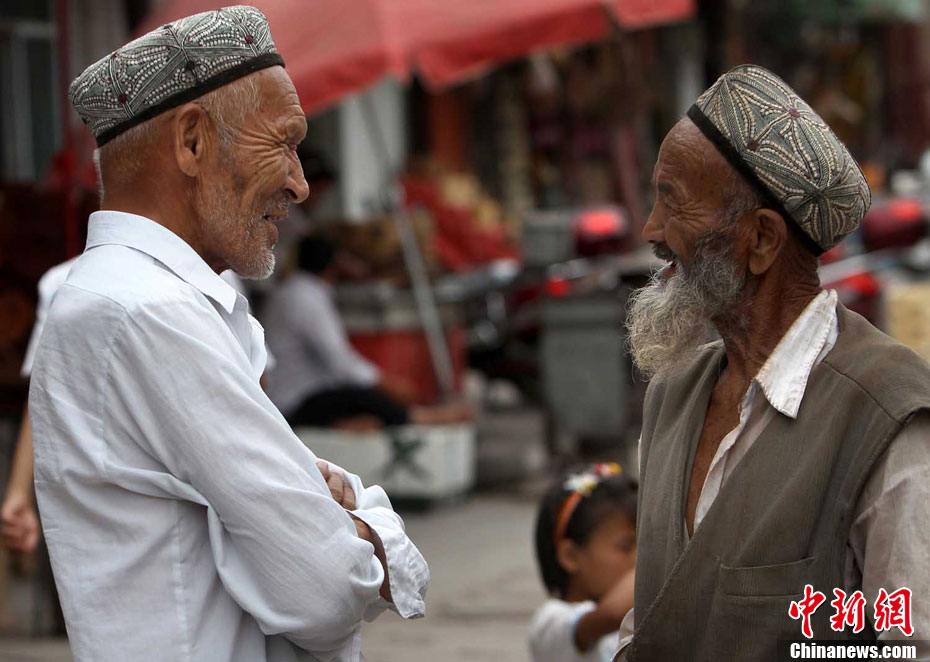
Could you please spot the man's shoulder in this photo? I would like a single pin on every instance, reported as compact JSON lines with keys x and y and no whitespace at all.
{"x":111,"y":284}
{"x":301,"y":284}
{"x":114,"y":275}
{"x":296,"y":296}
{"x":893,"y":375}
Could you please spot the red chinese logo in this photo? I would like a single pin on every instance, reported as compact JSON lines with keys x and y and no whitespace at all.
{"x":848,"y":611}
{"x":803,"y":609}
{"x":893,"y":610}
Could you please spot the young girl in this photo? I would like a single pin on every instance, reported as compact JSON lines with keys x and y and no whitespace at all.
{"x":586,"y":548}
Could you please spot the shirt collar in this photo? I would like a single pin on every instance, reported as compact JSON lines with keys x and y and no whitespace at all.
{"x":783,"y":378}
{"x":157,"y":241}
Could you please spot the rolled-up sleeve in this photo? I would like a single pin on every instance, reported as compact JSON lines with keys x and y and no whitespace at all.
{"x":408,"y":573}
{"x":286,"y":552}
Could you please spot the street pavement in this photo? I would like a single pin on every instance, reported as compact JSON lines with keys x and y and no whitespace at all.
{"x":484,"y":586}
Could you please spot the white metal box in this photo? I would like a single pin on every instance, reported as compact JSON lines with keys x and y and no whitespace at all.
{"x":409,"y":462}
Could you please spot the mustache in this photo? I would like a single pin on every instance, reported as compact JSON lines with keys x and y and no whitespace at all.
{"x":663,"y":252}
{"x":278,"y":207}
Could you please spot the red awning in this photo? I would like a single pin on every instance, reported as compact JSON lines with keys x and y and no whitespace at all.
{"x":333,"y":48}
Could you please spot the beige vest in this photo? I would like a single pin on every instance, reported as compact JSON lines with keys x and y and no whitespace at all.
{"x":781,"y":520}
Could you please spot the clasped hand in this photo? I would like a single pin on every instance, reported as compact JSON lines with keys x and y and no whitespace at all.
{"x":344,"y":495}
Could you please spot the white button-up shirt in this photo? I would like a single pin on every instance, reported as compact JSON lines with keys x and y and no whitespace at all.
{"x":184,"y":519}
{"x":888,"y":541}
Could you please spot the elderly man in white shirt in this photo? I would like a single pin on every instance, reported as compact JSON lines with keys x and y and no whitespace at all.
{"x":184,"y":519}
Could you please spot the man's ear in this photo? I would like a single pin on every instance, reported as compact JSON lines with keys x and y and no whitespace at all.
{"x":191,"y":132}
{"x":566,"y":553}
{"x":769,"y":234}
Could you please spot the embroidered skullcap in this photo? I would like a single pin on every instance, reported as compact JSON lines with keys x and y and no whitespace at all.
{"x":169,"y":66}
{"x":786,"y":151}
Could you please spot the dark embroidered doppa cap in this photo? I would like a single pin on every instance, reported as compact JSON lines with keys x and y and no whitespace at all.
{"x":171,"y":65}
{"x":786,"y":151}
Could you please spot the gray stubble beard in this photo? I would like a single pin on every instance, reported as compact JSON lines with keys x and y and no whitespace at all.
{"x":237,"y":230}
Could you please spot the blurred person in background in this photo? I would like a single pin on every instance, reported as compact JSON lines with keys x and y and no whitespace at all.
{"x":20,"y":522}
{"x":320,"y":380}
{"x":794,"y":450}
{"x":184,"y":519}
{"x":586,"y":550}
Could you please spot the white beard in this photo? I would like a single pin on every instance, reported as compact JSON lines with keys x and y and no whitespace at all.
{"x":668,"y":320}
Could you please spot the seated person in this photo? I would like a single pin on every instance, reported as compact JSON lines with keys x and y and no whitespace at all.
{"x":319,"y":379}
{"x":586,"y":549}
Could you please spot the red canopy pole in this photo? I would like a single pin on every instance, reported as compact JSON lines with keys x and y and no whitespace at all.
{"x":62,"y":15}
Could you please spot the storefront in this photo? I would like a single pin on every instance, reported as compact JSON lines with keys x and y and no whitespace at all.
{"x":860,"y":64}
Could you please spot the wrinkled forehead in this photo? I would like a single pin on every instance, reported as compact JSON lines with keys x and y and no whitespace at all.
{"x":689,"y":159}
{"x":684,"y":146}
{"x":279,"y":108}
{"x":277,"y":91}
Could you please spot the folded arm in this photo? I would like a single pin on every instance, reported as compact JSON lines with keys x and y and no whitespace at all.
{"x":286,"y":551}
{"x":407,"y":572}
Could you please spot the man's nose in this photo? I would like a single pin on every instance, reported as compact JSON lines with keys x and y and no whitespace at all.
{"x":654,"y":230}
{"x":297,"y":186}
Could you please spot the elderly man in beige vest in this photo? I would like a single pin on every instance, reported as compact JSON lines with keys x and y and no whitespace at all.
{"x":795,"y":450}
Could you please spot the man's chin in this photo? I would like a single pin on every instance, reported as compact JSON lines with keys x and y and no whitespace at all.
{"x":259,"y":270}
{"x":273,"y":233}
{"x":266,"y":271}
